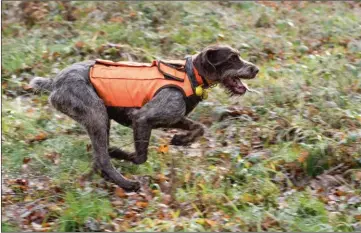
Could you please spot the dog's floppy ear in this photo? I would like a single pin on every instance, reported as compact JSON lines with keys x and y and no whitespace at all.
{"x":208,"y":57}
{"x":206,"y":63}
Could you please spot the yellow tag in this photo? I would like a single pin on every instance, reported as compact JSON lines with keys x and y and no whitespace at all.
{"x":199,"y":91}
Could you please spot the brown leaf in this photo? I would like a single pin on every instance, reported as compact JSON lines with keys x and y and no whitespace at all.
{"x":26,"y":160}
{"x":117,"y":203}
{"x":269,"y":222}
{"x":79,"y":44}
{"x":22,"y":182}
{"x":26,"y":87}
{"x":46,"y":224}
{"x":163,"y":149}
{"x":161,"y":178}
{"x":54,"y":157}
{"x":116,"y":19}
{"x":141,"y":204}
{"x":303,"y":156}
{"x":130,"y":215}
{"x":40,"y":137}
{"x":340,"y":193}
{"x":120,"y":192}
{"x":211,"y":223}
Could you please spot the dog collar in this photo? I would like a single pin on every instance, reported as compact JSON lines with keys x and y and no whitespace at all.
{"x":199,"y":83}
{"x":195,"y":79}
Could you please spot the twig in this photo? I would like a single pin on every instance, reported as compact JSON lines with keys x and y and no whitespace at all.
{"x":333,"y":169}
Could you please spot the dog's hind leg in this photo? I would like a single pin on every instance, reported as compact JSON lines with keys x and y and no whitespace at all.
{"x":79,"y":101}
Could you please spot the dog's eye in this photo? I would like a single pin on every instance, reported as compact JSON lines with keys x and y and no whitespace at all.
{"x":234,"y":58}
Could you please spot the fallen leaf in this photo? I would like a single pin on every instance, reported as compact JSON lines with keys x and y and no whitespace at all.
{"x":117,"y":203}
{"x":116,"y":20}
{"x":303,"y":156}
{"x":340,"y":193}
{"x":40,"y":137}
{"x":79,"y":44}
{"x":22,"y":182}
{"x":54,"y":157}
{"x":141,"y":204}
{"x":269,"y":222}
{"x":211,"y":223}
{"x":26,"y":87}
{"x":163,"y":149}
{"x":130,"y":215}
{"x":161,"y":178}
{"x":120,"y":192}
{"x":45,"y":225}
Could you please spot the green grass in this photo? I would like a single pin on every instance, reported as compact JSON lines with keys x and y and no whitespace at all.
{"x":82,"y":207}
{"x":6,"y":227}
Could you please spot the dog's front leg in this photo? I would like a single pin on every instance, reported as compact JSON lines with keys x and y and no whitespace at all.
{"x":142,"y":130}
{"x":195,"y":130}
{"x":165,"y":109}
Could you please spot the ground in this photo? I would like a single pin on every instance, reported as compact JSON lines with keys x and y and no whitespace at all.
{"x":286,"y":159}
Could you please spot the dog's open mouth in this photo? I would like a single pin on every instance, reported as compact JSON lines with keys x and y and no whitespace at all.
{"x":235,"y":86}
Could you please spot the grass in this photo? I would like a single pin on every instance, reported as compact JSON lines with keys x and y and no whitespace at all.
{"x":82,"y":207}
{"x":263,"y":169}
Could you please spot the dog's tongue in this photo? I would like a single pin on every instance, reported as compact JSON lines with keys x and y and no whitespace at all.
{"x":249,"y":89}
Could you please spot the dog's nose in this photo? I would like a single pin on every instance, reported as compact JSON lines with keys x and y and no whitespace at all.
{"x":254,"y":70}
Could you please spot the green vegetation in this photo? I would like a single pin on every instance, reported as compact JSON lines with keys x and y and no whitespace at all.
{"x":287,"y":159}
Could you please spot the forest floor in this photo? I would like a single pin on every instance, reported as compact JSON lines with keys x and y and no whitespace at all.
{"x":287,"y":159}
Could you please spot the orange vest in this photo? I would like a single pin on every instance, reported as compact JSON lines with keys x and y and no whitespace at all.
{"x":131,"y":84}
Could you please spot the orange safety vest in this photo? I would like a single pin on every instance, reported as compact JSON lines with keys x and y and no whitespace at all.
{"x":131,"y":84}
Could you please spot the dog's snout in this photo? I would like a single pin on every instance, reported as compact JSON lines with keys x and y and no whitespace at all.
{"x":254,"y":70}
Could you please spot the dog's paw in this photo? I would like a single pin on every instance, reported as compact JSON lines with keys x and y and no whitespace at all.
{"x":180,"y":140}
{"x":129,"y":185}
{"x":133,"y":187}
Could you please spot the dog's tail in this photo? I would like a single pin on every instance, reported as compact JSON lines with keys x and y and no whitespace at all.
{"x":41,"y":84}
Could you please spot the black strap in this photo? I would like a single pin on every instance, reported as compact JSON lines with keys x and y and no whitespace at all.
{"x":190,"y":72}
{"x":191,"y":75}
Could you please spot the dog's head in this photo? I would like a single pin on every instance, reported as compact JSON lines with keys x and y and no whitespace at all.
{"x":222,"y":64}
